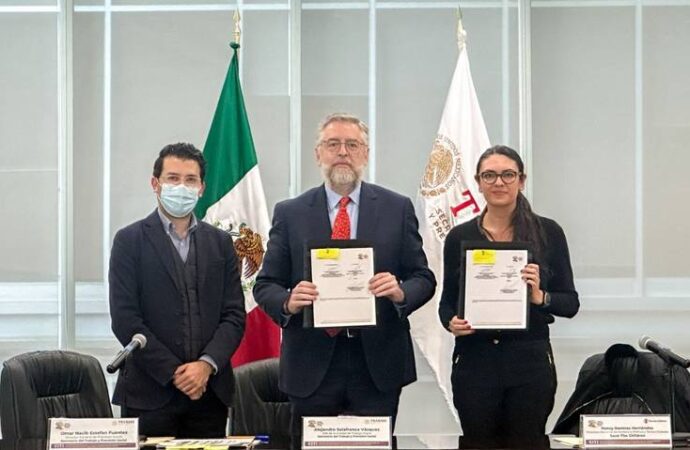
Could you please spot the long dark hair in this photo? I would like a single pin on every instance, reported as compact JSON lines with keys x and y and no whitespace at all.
{"x":526,"y":225}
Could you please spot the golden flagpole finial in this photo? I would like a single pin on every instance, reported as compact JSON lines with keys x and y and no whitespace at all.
{"x":238,"y":31}
{"x":462,"y":34}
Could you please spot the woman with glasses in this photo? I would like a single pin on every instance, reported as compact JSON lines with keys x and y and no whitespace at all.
{"x":504,"y":382}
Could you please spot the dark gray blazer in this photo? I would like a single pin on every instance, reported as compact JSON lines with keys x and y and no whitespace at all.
{"x":144,"y":299}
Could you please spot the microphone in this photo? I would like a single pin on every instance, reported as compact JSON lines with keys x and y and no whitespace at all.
{"x":664,"y":353}
{"x":138,"y":341}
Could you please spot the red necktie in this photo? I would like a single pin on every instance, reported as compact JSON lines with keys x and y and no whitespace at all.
{"x":341,"y":225}
{"x":341,"y":230}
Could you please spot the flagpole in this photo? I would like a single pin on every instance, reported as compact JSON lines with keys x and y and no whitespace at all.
{"x":237,"y":33}
{"x":461,"y":33}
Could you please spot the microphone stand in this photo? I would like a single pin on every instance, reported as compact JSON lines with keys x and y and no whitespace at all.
{"x":678,"y":439}
{"x":683,"y":438}
{"x":670,"y":365}
{"x":672,"y":395}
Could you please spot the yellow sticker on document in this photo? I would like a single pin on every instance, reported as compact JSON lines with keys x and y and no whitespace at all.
{"x":328,"y":253}
{"x":484,"y":256}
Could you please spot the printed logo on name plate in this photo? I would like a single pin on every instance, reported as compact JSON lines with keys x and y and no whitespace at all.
{"x":591,"y":423}
{"x":311,"y":423}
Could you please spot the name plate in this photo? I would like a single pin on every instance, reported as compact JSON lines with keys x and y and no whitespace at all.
{"x":346,"y":432}
{"x":626,"y":430}
{"x":101,"y":434}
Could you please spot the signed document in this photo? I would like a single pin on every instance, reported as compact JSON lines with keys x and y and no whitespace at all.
{"x":495,"y":294}
{"x":341,"y":276}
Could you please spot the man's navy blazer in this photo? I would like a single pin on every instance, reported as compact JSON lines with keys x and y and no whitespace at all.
{"x":145,"y":298}
{"x":386,"y":220}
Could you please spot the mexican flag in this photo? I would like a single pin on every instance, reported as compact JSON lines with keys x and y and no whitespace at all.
{"x":234,"y":201}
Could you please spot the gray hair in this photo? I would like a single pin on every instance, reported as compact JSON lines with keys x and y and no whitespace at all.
{"x":347,"y":118}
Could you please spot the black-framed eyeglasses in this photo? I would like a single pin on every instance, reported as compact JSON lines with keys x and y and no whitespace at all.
{"x":351,"y":145}
{"x":508,"y":176}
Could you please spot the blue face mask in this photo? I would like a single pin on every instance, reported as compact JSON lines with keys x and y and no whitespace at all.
{"x":178,"y":200}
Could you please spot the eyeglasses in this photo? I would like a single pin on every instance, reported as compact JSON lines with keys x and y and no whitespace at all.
{"x":351,"y":145}
{"x":490,"y":177}
{"x":190,"y":181}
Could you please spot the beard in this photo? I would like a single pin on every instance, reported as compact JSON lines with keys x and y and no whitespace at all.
{"x":342,"y":177}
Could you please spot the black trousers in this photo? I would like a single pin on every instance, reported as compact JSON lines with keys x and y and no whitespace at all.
{"x":347,"y":389}
{"x":504,"y":390}
{"x":183,"y":418}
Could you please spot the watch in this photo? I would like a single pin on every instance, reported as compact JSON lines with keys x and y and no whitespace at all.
{"x":286,"y":311}
{"x":547,"y":300}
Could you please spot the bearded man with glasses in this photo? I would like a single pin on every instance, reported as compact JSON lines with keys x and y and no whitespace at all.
{"x":327,"y":372}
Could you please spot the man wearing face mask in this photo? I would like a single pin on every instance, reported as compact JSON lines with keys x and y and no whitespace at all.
{"x":174,"y":279}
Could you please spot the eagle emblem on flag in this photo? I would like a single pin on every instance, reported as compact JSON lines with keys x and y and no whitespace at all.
{"x":250,"y":251}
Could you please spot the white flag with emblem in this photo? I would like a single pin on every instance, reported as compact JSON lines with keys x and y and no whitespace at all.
{"x":448,"y":196}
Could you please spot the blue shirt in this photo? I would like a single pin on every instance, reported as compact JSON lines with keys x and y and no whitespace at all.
{"x":181,"y":244}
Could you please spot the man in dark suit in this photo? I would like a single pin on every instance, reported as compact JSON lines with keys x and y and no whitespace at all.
{"x":175,"y":280}
{"x":356,"y":371}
